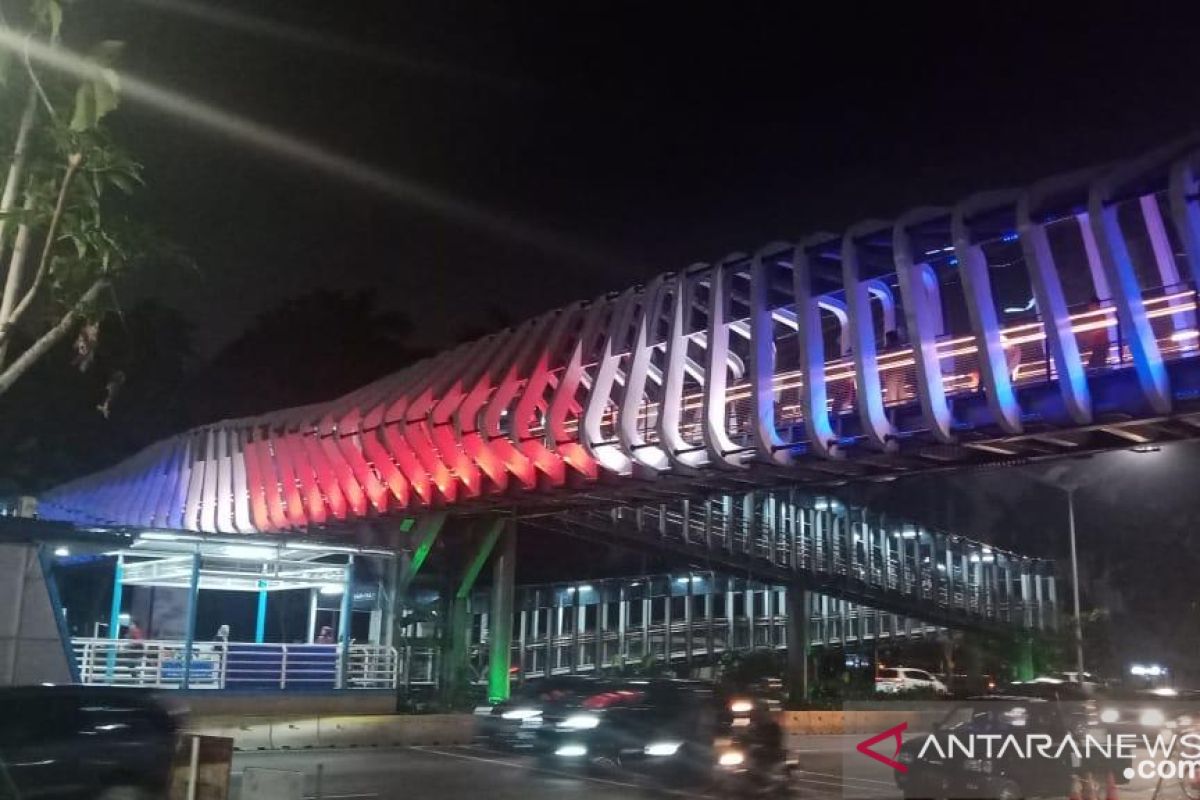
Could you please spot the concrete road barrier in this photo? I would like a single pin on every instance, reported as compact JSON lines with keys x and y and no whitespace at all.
{"x":248,"y":733}
{"x":300,"y":733}
{"x":832,"y":722}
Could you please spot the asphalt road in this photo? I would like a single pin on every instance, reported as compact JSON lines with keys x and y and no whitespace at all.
{"x":462,"y":773}
{"x":473,"y":772}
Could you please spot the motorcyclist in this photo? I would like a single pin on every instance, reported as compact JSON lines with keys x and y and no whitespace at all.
{"x":763,"y":738}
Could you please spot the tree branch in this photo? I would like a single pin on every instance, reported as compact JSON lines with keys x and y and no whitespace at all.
{"x":51,"y":337}
{"x":16,"y":266}
{"x":37,"y":84}
{"x":73,"y":162}
{"x":16,"y":168}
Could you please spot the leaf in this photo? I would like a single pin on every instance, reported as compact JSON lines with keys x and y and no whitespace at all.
{"x":106,"y":90}
{"x":94,"y":99}
{"x":49,"y":13}
{"x":84,"y":114}
{"x":121,"y":181}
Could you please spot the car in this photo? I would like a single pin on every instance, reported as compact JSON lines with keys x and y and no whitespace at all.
{"x":514,"y":723}
{"x":936,"y":765}
{"x":892,"y":680}
{"x":660,"y":728}
{"x":1140,"y":711}
{"x":85,"y":742}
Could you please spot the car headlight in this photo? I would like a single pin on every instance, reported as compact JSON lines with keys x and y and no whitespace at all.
{"x":521,"y":713}
{"x":731,"y":758}
{"x":1152,"y":717}
{"x":1109,"y":715}
{"x":662,"y":748}
{"x":579,"y":722}
{"x":571,"y":751}
{"x":741,"y":706}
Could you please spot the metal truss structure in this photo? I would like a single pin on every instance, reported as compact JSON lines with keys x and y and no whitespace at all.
{"x":1056,"y":318}
{"x":691,"y":617}
{"x":785,"y":537}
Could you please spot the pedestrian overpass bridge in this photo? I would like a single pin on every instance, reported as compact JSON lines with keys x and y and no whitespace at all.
{"x":1051,"y":319}
{"x":707,"y":412}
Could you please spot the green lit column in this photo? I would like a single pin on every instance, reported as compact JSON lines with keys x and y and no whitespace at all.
{"x":504,"y":574}
{"x":457,"y":633}
{"x":422,"y":536}
{"x":1023,"y":663}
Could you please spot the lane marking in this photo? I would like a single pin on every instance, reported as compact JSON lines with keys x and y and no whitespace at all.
{"x":818,"y":782}
{"x":556,"y":773}
{"x":843,"y":778}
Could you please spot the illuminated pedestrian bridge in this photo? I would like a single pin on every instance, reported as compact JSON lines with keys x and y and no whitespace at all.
{"x":1055,"y":318}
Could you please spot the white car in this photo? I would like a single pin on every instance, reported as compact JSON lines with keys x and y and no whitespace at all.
{"x":906,"y":679}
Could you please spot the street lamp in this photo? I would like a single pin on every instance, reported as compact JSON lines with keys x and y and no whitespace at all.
{"x":1062,"y":476}
{"x":1075,"y":583}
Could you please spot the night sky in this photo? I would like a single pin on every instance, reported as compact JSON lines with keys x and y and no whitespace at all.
{"x":613,"y":142}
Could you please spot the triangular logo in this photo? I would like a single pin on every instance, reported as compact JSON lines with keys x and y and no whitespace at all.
{"x":864,"y":746}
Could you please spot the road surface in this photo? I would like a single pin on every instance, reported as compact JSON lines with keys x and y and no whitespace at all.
{"x":474,"y":772}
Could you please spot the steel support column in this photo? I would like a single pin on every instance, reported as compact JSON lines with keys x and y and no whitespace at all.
{"x":347,"y":606}
{"x":501,"y":613}
{"x":190,"y":633}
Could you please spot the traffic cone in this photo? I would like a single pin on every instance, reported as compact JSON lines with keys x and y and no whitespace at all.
{"x":1089,"y":787}
{"x":1110,"y":787}
{"x":1075,"y":791}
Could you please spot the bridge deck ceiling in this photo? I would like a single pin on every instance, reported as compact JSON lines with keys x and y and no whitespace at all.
{"x":1060,"y":317}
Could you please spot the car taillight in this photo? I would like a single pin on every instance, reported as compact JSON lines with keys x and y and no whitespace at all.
{"x":609,"y":699}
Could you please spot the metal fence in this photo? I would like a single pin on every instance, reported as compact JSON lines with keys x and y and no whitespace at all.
{"x":785,"y":535}
{"x":681,"y":618}
{"x":165,"y":664}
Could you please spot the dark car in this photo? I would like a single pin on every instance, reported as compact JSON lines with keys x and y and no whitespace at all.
{"x":84,"y":742}
{"x":514,"y":724}
{"x":665,"y":728}
{"x":956,"y":760}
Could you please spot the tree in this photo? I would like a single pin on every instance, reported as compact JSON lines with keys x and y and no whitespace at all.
{"x":63,"y":238}
{"x":54,"y":422}
{"x":310,"y":348}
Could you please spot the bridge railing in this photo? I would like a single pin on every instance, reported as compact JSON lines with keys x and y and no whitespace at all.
{"x":867,"y":557}
{"x":1171,"y":311}
{"x":682,"y":617}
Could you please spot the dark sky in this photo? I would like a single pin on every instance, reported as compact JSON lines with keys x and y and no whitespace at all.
{"x":641,"y":138}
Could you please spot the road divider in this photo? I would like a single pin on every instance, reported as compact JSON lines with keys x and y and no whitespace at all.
{"x":832,"y":721}
{"x":303,"y":733}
